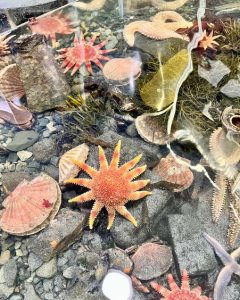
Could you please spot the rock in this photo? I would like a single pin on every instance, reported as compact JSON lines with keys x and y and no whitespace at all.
{"x":87,"y":259}
{"x":71,"y":272}
{"x":86,"y":291}
{"x":148,"y":213}
{"x":232,"y":88}
{"x":12,"y":157}
{"x":52,"y":171}
{"x":22,"y":140}
{"x":34,"y":261}
{"x":44,"y":150}
{"x":51,"y":128}
{"x":118,"y":259}
{"x":151,"y":261}
{"x":48,"y":269}
{"x":131,"y":130}
{"x":231,"y":292}
{"x":63,"y":231}
{"x":5,"y":256}
{"x":30,"y":293}
{"x":11,"y":180}
{"x":93,"y":241}
{"x":6,"y":291}
{"x":24,"y":155}
{"x":16,"y":297}
{"x":191,"y":249}
{"x":10,"y":272}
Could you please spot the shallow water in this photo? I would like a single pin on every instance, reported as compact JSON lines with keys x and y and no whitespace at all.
{"x":164,"y":79}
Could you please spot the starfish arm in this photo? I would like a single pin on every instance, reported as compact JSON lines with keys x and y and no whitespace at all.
{"x":111,"y":216}
{"x":94,"y":213}
{"x":222,"y":281}
{"x":221,"y":253}
{"x":102,"y":158}
{"x":160,"y":289}
{"x":86,"y":168}
{"x":130,"y":164}
{"x":76,"y":68}
{"x":82,"y":198}
{"x":185,"y":281}
{"x":236,"y":253}
{"x":116,"y":156}
{"x":139,"y":184}
{"x":126,"y":214}
{"x":198,"y":291}
{"x":136,"y":172}
{"x":98,"y":63}
{"x":171,"y":282}
{"x":80,"y":181}
{"x":138,"y":195}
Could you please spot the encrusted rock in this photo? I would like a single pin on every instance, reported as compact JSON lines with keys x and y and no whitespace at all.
{"x":61,"y":232}
{"x":151,"y":261}
{"x":118,"y":259}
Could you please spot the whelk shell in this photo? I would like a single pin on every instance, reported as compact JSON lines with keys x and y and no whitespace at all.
{"x":122,"y":69}
{"x":31,"y":206}
{"x":67,"y":169}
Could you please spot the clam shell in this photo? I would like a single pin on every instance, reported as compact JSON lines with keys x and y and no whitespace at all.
{"x":151,"y":129}
{"x":31,"y":206}
{"x":11,"y":85}
{"x":67,"y":169}
{"x":174,"y":172}
{"x":122,"y":69}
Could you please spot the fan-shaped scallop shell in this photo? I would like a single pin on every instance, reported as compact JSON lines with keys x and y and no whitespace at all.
{"x":224,"y":151}
{"x":174,"y":172}
{"x":11,"y":85}
{"x":31,"y":206}
{"x":67,"y":169}
{"x":152,"y":130}
{"x":122,"y":69}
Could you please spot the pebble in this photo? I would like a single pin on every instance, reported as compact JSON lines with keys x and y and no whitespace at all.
{"x":23,"y":140}
{"x":44,"y":150}
{"x":51,"y":128}
{"x":5,"y":256}
{"x":48,"y":269}
{"x":30,"y":293}
{"x":71,"y":272}
{"x":24,"y":155}
{"x":16,"y":297}
{"x":10,"y":272}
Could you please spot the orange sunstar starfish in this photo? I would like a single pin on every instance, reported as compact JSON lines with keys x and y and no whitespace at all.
{"x":111,"y":186}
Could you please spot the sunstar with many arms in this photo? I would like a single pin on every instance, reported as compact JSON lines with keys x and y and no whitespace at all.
{"x":111,"y":186}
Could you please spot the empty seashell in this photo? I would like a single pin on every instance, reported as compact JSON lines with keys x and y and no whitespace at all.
{"x":152,"y":129}
{"x":11,"y":85}
{"x":31,"y":206}
{"x":122,"y":69}
{"x":174,"y":172}
{"x":67,"y":169}
{"x":231,"y":123}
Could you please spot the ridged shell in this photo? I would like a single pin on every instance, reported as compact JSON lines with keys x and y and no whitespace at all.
{"x":67,"y":169}
{"x":122,"y":69}
{"x":31,"y":206}
{"x":10,"y":83}
{"x":174,"y":172}
{"x":152,"y":130}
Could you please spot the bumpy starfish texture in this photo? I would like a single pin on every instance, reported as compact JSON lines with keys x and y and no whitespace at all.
{"x":177,"y":293}
{"x":111,"y":186}
{"x":231,"y":266}
{"x":208,"y":41}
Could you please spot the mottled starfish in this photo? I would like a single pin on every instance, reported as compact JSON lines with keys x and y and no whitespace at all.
{"x":231,"y":266}
{"x":111,"y":186}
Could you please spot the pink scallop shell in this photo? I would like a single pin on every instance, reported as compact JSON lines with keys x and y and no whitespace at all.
{"x":31,"y":206}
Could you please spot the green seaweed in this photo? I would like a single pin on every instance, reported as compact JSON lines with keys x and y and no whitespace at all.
{"x":160,"y":91}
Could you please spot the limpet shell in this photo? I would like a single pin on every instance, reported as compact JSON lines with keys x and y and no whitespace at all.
{"x":31,"y":206}
{"x":122,"y":69}
{"x":67,"y":169}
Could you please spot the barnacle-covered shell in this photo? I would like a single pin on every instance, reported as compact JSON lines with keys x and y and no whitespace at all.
{"x":122,"y":69}
{"x":152,"y":129}
{"x":151,"y":260}
{"x":67,"y":169}
{"x":174,"y":172}
{"x":31,"y":206}
{"x":11,"y":85}
{"x":231,"y":123}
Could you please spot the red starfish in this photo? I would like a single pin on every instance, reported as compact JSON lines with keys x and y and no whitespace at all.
{"x":83,"y":52}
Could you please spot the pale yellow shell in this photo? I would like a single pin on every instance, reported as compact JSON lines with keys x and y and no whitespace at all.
{"x":67,"y":169}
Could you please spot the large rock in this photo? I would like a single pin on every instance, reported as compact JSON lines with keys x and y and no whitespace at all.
{"x":11,"y":180}
{"x":22,"y":140}
{"x":44,"y":150}
{"x":191,"y":249}
{"x":232,"y":88}
{"x":85,"y":291}
{"x":64,"y":230}
{"x":30,"y":293}
{"x":10,"y":272}
{"x":48,"y":269}
{"x":232,"y":292}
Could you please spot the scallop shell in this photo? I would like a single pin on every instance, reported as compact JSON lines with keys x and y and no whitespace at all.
{"x":174,"y":172}
{"x":31,"y":206}
{"x":151,"y":129}
{"x":67,"y":169}
{"x":11,"y":85}
{"x":122,"y":69}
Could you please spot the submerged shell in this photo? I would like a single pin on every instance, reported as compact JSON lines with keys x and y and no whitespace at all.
{"x":122,"y":69}
{"x":10,"y":83}
{"x":152,"y":129}
{"x":31,"y":206}
{"x":174,"y":172}
{"x":231,"y":123}
{"x":67,"y":169}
